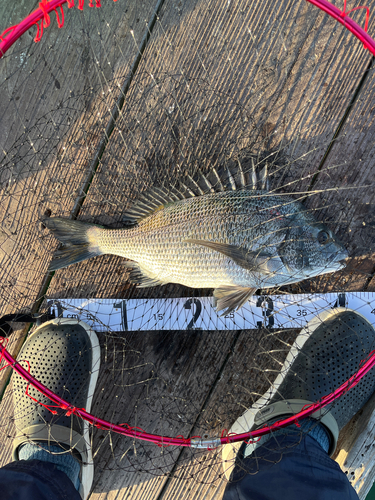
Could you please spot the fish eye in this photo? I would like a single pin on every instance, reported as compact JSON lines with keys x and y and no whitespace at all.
{"x":323,"y":237}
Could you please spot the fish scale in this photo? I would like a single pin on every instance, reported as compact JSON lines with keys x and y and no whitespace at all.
{"x":234,"y":241}
{"x":218,"y":217}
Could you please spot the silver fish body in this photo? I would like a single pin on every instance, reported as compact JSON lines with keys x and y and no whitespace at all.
{"x":233,"y":241}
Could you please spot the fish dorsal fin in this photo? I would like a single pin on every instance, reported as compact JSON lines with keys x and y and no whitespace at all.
{"x":151,"y":201}
{"x":229,"y":178}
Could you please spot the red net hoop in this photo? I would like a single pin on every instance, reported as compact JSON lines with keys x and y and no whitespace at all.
{"x":96,"y":113}
{"x":196,"y":441}
{"x":342,"y":16}
{"x":41,"y":19}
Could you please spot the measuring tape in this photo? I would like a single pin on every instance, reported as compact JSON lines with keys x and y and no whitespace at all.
{"x":270,"y":311}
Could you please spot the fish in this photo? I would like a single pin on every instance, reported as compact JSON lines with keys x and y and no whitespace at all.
{"x":234,"y":239}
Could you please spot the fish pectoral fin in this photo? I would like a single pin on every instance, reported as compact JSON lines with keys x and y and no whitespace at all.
{"x":231,"y":298}
{"x":253,"y":261}
{"x":141,"y":276}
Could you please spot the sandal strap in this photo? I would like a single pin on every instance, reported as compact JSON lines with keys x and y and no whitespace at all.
{"x":53,"y":435}
{"x":292,"y":407}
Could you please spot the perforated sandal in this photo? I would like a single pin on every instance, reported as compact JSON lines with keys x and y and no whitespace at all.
{"x":326,"y":353}
{"x":64,"y":355}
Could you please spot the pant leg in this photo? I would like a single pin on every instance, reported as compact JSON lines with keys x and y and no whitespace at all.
{"x":288,"y":467}
{"x":35,"y":480}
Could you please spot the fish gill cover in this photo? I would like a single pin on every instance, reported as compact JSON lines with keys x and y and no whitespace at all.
{"x":123,"y":100}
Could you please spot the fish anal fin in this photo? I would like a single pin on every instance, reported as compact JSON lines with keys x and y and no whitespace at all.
{"x":142,"y":277}
{"x":231,"y":298}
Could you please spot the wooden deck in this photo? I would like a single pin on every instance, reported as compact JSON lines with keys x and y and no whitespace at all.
{"x":216,"y":81}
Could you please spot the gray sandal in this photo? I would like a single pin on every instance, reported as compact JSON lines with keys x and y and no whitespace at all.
{"x":326,"y":353}
{"x":64,"y":355}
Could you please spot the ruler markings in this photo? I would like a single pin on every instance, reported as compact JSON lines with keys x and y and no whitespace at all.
{"x":274,"y":311}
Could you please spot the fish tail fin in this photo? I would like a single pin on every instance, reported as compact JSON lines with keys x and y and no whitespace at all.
{"x":80,"y":241}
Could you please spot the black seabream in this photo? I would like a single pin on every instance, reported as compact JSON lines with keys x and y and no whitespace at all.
{"x":235,"y":239}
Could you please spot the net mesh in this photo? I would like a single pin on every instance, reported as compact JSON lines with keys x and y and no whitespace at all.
{"x":123,"y":98}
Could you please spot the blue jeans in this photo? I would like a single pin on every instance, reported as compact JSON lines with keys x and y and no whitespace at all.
{"x":35,"y":480}
{"x":284,"y":467}
{"x":288,"y":467}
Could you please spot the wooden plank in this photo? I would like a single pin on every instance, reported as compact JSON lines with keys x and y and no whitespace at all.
{"x":189,"y":54}
{"x":184,"y":117}
{"x":130,"y":468}
{"x":7,"y":430}
{"x":51,"y":123}
{"x":50,"y":126}
{"x":371,"y":285}
{"x":349,"y":165}
{"x":250,"y":370}
{"x":355,"y":450}
{"x":191,"y":107}
{"x":157,"y":381}
{"x":347,"y":179}
{"x":52,"y":117}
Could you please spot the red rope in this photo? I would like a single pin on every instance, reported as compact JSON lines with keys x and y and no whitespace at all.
{"x":43,"y":7}
{"x":8,"y":30}
{"x":2,"y":341}
{"x":60,"y":22}
{"x":344,"y":13}
{"x":41,"y":19}
{"x":136,"y":432}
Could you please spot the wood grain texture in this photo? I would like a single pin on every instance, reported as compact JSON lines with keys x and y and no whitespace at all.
{"x":214,"y":84}
{"x":347,"y":179}
{"x":350,"y":164}
{"x":228,"y":93}
{"x":216,"y":81}
{"x":157,"y":381}
{"x":249,"y":371}
{"x":213,"y":381}
{"x":57,"y":97}
{"x":355,"y":450}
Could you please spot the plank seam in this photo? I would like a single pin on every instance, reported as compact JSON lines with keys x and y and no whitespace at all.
{"x":204,"y":404}
{"x":115,"y":112}
{"x":342,"y":123}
